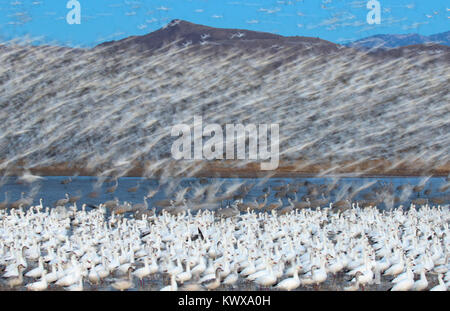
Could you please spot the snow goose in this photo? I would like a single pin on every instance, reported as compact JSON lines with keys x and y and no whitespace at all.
{"x":36,"y":272}
{"x":200,"y":267}
{"x":250,"y":269}
{"x":39,"y":285}
{"x":441,"y":287}
{"x":103,"y":269}
{"x":395,"y":268}
{"x":422,"y":283}
{"x":212,"y":283}
{"x":231,"y":278}
{"x":355,"y":283}
{"x":173,"y":287}
{"x":267,"y":279}
{"x":77,"y":287}
{"x":290,"y":283}
{"x":93,"y":276}
{"x":319,"y":274}
{"x":70,"y":277}
{"x":143,"y":271}
{"x":13,"y":282}
{"x":185,"y":275}
{"x":406,"y":283}
{"x":53,"y":275}
{"x":124,"y":283}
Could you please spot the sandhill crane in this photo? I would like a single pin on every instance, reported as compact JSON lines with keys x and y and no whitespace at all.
{"x":123,"y":208}
{"x":133,"y":189}
{"x":66,"y":181}
{"x":21,"y":202}
{"x":369,"y":203}
{"x":164,"y":203}
{"x":302,"y":204}
{"x":261,"y":205}
{"x":177,"y":208}
{"x":112,"y":203}
{"x":244,"y":207}
{"x":74,"y":199}
{"x":313,"y":191}
{"x":418,"y":189}
{"x":342,"y":205}
{"x":439,"y":200}
{"x":113,"y":188}
{"x":227,"y":212}
{"x":274,"y":206}
{"x":151,"y":193}
{"x":63,"y":202}
{"x":139,"y":214}
{"x":319,"y":202}
{"x":141,"y":206}
{"x":444,"y":187}
{"x":93,"y":194}
{"x":287,"y":209}
{"x":282,"y":192}
{"x":420,"y":201}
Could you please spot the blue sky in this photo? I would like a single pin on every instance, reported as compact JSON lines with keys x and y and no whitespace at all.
{"x":103,"y":20}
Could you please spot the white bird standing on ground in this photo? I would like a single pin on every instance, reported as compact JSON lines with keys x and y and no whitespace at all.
{"x":290,"y":283}
{"x":441,"y":287}
{"x":173,"y":287}
{"x":39,"y":285}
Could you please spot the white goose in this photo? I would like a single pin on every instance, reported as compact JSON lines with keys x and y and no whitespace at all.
{"x":77,"y":287}
{"x":36,"y":272}
{"x":186,"y":275}
{"x":441,"y":287}
{"x":406,"y":283}
{"x":231,"y":278}
{"x":355,"y":283}
{"x":319,"y":274}
{"x":395,"y":268}
{"x":173,"y":287}
{"x":53,"y":275}
{"x":212,"y":283}
{"x":39,"y":285}
{"x":93,"y":276}
{"x":267,"y":279}
{"x":422,"y":283}
{"x":13,"y":282}
{"x":126,"y":283}
{"x":290,"y":283}
{"x":143,"y":272}
{"x":200,"y":267}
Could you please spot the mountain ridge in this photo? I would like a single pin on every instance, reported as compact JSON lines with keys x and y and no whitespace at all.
{"x":186,"y":33}
{"x":389,"y":41}
{"x":206,"y":38}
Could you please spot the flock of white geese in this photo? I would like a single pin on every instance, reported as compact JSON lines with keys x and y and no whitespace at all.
{"x":81,"y":248}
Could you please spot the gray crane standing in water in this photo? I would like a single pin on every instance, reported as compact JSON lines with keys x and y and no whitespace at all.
{"x":113,"y":188}
{"x":63,"y":202}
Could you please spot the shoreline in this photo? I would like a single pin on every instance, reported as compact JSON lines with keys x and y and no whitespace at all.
{"x":297,"y":169}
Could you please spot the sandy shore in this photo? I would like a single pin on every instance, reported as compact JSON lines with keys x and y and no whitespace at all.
{"x":227,"y":169}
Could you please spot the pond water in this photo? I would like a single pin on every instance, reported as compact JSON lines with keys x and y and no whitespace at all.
{"x":52,"y":188}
